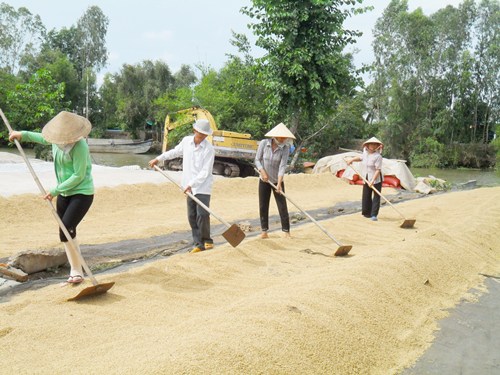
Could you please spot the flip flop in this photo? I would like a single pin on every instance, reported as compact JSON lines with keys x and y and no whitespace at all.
{"x":77,"y":279}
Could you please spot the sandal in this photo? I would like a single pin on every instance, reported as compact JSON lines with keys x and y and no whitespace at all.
{"x":77,"y":279}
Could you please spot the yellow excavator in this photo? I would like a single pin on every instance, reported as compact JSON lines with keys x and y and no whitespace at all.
{"x":234,"y":152}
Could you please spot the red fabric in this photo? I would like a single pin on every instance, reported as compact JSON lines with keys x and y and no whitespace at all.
{"x":391,"y":181}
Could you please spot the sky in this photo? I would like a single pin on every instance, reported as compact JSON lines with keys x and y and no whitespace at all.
{"x":188,"y":31}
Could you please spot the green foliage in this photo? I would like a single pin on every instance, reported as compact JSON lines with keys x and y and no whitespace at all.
{"x":477,"y":155}
{"x":61,"y":69}
{"x":304,"y":70}
{"x":439,"y":185}
{"x":436,"y":78}
{"x":432,"y":154}
{"x":8,"y":83}
{"x":33,"y":104}
{"x":427,"y":154}
{"x":132,"y":95}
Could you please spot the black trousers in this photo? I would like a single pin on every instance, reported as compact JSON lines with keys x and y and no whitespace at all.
{"x":199,"y":220}
{"x":264,"y":199}
{"x":71,"y":210}
{"x":370,"y":203}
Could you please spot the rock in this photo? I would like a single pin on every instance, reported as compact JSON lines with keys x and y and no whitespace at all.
{"x":6,"y":285}
{"x":424,"y":188}
{"x":31,"y":261}
{"x":245,"y":226}
{"x":471,"y":184}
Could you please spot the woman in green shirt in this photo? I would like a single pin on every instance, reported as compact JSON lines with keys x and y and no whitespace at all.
{"x":73,"y":167}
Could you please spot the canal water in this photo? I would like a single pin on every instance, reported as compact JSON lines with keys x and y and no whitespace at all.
{"x":453,"y":176}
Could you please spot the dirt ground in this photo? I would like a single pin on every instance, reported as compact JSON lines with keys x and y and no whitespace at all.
{"x":268,"y":306}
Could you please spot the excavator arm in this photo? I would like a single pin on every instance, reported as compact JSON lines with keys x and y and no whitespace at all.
{"x":233,"y":151}
{"x":183,"y":117}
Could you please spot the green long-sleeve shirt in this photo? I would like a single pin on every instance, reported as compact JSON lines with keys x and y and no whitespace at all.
{"x":73,"y":169}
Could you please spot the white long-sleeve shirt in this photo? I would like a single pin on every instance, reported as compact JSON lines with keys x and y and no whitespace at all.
{"x":197,"y":164}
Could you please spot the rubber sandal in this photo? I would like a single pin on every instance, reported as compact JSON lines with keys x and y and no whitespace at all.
{"x":77,"y":279}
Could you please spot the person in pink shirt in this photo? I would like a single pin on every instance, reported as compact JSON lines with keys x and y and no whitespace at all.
{"x":372,"y":171}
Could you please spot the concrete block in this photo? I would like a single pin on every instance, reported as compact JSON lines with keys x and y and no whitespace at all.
{"x":31,"y":261}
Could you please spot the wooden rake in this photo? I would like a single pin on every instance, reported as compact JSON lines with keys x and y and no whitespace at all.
{"x":407,"y":223}
{"x":341,"y":250}
{"x":233,"y":234}
{"x":96,"y":288}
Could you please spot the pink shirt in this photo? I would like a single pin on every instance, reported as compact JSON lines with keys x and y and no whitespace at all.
{"x":371,"y":162}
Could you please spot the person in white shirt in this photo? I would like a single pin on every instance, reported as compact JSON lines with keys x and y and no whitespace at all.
{"x":372,"y":169}
{"x":198,"y":157}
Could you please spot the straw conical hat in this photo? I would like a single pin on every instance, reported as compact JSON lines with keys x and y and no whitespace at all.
{"x":66,"y":128}
{"x":373,"y":140}
{"x":280,"y":130}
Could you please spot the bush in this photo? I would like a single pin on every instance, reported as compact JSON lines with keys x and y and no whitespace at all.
{"x":428,"y":154}
{"x":432,"y":154}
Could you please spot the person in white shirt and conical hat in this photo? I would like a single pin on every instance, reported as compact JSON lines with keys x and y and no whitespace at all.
{"x":372,"y":169}
{"x":271,"y":159}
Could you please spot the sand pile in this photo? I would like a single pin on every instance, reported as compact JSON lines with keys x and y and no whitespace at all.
{"x":267,"y":306}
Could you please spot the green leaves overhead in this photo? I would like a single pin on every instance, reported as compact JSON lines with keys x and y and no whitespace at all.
{"x":304,"y":69}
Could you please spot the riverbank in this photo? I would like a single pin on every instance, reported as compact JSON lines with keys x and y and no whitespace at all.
{"x":267,"y":306}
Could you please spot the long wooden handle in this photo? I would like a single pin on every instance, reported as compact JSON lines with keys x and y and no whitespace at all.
{"x":193,"y":197}
{"x":54,"y":212}
{"x":376,"y":190}
{"x":304,"y":212}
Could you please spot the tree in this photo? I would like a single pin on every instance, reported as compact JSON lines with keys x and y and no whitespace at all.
{"x":185,"y":77}
{"x":487,"y":70}
{"x":34,"y":103}
{"x":436,"y":79}
{"x":91,"y":38}
{"x":304,"y":70}
{"x":133,"y":92}
{"x":61,"y":70}
{"x":21,"y":35}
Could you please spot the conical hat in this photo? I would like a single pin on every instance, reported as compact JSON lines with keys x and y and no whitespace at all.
{"x":373,"y":140}
{"x":66,"y":128}
{"x":280,"y":130}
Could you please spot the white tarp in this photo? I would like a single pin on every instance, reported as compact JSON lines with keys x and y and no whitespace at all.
{"x":390,"y":167}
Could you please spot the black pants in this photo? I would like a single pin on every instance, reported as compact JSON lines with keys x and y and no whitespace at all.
{"x":264,"y":199}
{"x":71,"y":210}
{"x":199,"y":220}
{"x":370,"y":203}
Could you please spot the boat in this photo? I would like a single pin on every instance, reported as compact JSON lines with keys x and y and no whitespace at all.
{"x":119,"y":146}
